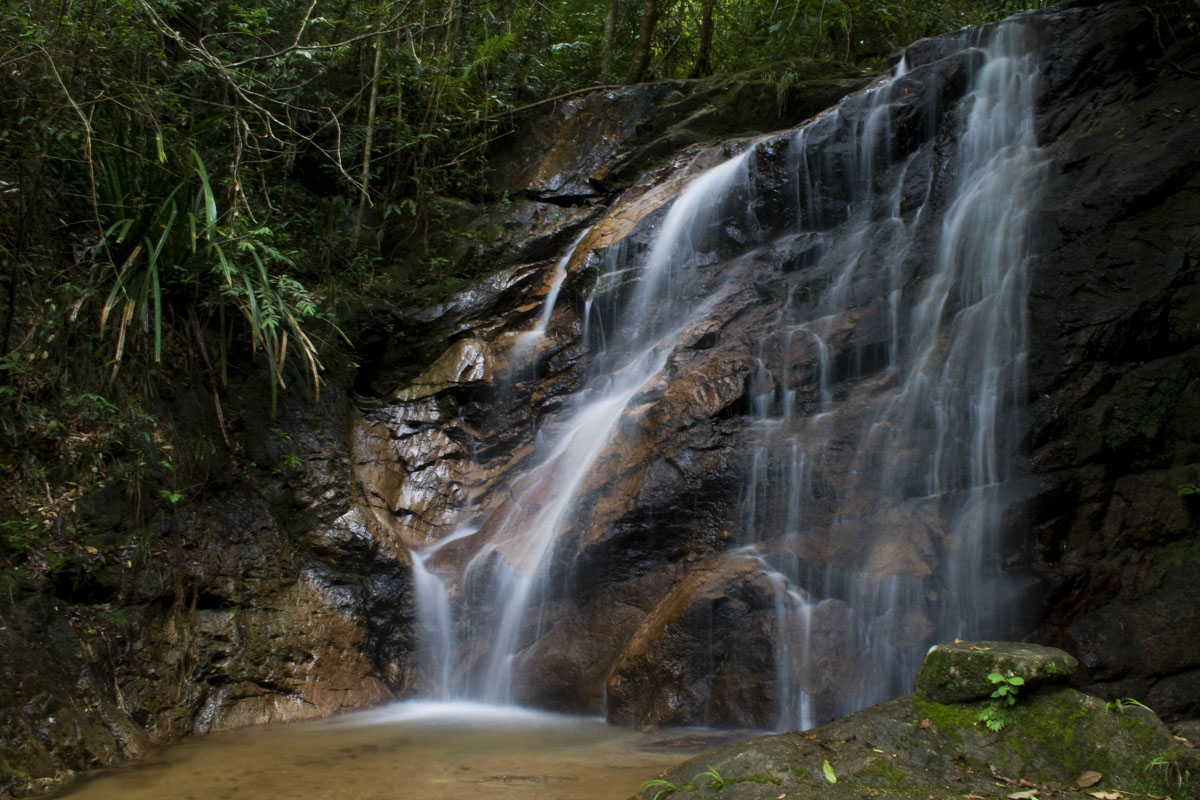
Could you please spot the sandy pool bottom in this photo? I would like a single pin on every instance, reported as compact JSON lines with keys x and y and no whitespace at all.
{"x":408,"y":751}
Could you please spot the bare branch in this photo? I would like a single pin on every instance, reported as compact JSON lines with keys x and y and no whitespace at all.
{"x":87,"y":140}
{"x":202,"y":55}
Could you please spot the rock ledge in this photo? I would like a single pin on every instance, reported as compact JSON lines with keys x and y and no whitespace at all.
{"x":958,"y":672}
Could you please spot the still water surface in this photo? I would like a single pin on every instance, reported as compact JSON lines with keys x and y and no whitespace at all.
{"x":413,"y":751}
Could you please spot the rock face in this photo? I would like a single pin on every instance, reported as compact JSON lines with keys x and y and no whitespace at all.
{"x":1056,"y":740}
{"x":589,"y":143}
{"x":1091,"y":533}
{"x":1113,"y":373}
{"x":265,"y":599}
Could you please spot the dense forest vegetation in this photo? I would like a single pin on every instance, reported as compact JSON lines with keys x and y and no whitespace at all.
{"x":189,"y":189}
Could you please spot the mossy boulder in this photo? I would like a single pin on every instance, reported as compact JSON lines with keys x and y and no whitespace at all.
{"x":911,"y":747}
{"x":958,"y":672}
{"x":1052,"y":739}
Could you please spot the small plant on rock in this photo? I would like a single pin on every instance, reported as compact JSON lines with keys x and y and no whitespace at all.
{"x":1118,"y":704}
{"x":1170,"y":772}
{"x":715,"y":781}
{"x":995,"y":714}
{"x":664,"y":787}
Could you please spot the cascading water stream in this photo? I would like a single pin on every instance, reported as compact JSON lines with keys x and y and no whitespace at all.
{"x":508,"y":573}
{"x":931,"y":450}
{"x":873,"y":498}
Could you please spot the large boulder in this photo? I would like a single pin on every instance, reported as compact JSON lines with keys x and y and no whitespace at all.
{"x":1054,"y":740}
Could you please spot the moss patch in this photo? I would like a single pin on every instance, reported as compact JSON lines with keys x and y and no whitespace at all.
{"x":1049,"y":727}
{"x":888,"y":751}
{"x":1180,"y":551}
{"x":950,"y":720}
{"x":1145,"y":416}
{"x":885,"y":776}
{"x":756,"y":779}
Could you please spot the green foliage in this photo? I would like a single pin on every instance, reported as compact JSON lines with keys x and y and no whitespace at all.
{"x":18,"y":536}
{"x":1006,"y":687}
{"x":1140,"y":426}
{"x":752,"y":35}
{"x":1118,"y":704}
{"x":664,"y":788}
{"x":714,"y":779}
{"x":994,"y":715}
{"x":169,"y":242}
{"x":93,"y":618}
{"x":1169,"y":774}
{"x":290,"y":461}
{"x":827,"y":771}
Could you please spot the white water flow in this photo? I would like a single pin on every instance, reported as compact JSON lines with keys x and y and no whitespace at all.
{"x":431,"y":584}
{"x":527,"y":342}
{"x":435,"y":620}
{"x":881,"y":459}
{"x":880,"y":510}
{"x":504,"y":584}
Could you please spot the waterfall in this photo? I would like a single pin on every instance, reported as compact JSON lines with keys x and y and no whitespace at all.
{"x":912,"y":476}
{"x":882,"y":410}
{"x":508,"y":573}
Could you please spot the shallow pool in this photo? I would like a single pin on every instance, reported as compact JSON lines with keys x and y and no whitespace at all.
{"x":407,"y":751}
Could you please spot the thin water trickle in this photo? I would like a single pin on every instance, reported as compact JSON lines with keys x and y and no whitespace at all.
{"x":527,"y":343}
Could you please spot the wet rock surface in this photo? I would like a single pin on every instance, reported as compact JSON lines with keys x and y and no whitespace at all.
{"x":1110,"y":391}
{"x":585,"y":145}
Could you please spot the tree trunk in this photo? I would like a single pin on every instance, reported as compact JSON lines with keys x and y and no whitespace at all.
{"x":641,"y":54}
{"x":610,"y":41}
{"x":703,"y":67}
{"x":364,"y":199}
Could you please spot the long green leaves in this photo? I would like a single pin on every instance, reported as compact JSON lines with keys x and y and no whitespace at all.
{"x":174,"y":249}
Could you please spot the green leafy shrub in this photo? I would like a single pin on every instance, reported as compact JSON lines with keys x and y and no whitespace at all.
{"x":994,"y":715}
